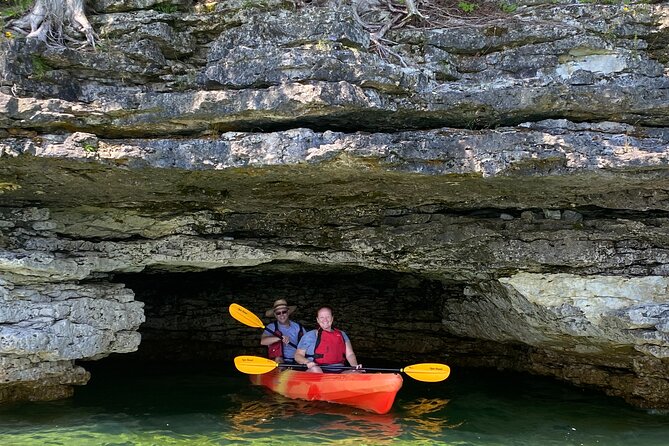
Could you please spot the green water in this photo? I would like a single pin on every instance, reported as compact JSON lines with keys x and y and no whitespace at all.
{"x":217,"y":406}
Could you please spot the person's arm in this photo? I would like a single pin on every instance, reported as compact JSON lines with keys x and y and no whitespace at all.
{"x":301,"y":358}
{"x":350,"y":355}
{"x":306,"y":344}
{"x":269,"y":339}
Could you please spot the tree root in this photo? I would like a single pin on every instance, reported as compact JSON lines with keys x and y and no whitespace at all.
{"x":48,"y":19}
{"x":379,"y":16}
{"x":398,"y":17}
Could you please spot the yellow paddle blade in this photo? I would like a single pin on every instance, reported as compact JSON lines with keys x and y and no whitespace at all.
{"x":254,"y":365}
{"x":429,"y":372}
{"x":245,"y":316}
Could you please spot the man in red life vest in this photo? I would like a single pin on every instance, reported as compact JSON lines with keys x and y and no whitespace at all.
{"x":325,"y":346}
{"x":281,"y":336}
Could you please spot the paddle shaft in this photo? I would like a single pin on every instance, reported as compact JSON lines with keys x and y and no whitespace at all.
{"x":340,"y":367}
{"x":427,"y":372}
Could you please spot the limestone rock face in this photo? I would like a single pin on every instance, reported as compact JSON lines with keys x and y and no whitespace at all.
{"x":45,"y":327}
{"x":48,"y":320}
{"x":597,"y":312}
{"x":495,"y":189}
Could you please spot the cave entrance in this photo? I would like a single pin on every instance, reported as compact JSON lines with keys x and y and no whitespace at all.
{"x":389,"y":316}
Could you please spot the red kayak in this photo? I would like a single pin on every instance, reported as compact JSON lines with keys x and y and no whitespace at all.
{"x":374,"y":392}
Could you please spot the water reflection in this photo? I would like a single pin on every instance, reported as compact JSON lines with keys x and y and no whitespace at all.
{"x":422,"y":406}
{"x":329,"y":420}
{"x":416,"y":419}
{"x":425,"y":414}
{"x":220,"y":408}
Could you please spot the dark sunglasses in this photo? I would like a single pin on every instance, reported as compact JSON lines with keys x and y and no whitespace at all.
{"x":279,"y":313}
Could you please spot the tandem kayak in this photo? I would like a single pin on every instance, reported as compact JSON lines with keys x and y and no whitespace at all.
{"x":374,"y":392}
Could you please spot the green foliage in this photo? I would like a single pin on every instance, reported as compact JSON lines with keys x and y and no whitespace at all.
{"x":89,"y":148}
{"x":167,"y":8}
{"x":250,"y":4}
{"x":103,"y":46}
{"x":40,"y":66}
{"x":12,"y":9}
{"x":612,"y":2}
{"x":467,"y":7}
{"x":508,"y":7}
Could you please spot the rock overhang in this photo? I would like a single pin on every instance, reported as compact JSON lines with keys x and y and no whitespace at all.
{"x":166,"y":158}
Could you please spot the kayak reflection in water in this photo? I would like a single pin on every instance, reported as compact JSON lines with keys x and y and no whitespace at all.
{"x":325,"y":346}
{"x":274,"y":413}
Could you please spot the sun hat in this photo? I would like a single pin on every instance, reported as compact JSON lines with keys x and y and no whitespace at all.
{"x":281,"y":303}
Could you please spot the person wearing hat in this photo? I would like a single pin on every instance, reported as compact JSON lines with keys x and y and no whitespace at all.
{"x":282,"y":336}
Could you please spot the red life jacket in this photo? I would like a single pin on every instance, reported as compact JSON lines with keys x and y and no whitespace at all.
{"x":276,"y":350}
{"x":330,"y":347}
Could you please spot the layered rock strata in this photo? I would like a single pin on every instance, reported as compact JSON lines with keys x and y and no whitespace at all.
{"x":509,"y":175}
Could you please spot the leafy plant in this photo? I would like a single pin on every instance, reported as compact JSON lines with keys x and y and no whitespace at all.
{"x":103,"y":46}
{"x":508,"y":7}
{"x":90,"y":148}
{"x":40,"y":66}
{"x":167,"y":8}
{"x":10,"y":9}
{"x":250,"y":4}
{"x":612,"y":2}
{"x":467,"y":7}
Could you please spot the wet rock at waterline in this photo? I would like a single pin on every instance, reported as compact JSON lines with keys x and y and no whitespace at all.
{"x":495,"y":191}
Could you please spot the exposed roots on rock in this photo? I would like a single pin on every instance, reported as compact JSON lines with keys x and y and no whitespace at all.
{"x":449,"y":14}
{"x":48,"y":21}
{"x":380,"y":16}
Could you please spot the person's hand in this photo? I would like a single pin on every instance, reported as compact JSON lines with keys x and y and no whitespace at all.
{"x":279,"y":359}
{"x":285,"y":340}
{"x":358,"y":369}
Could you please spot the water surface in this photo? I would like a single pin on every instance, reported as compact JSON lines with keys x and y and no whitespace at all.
{"x":216,"y":405}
